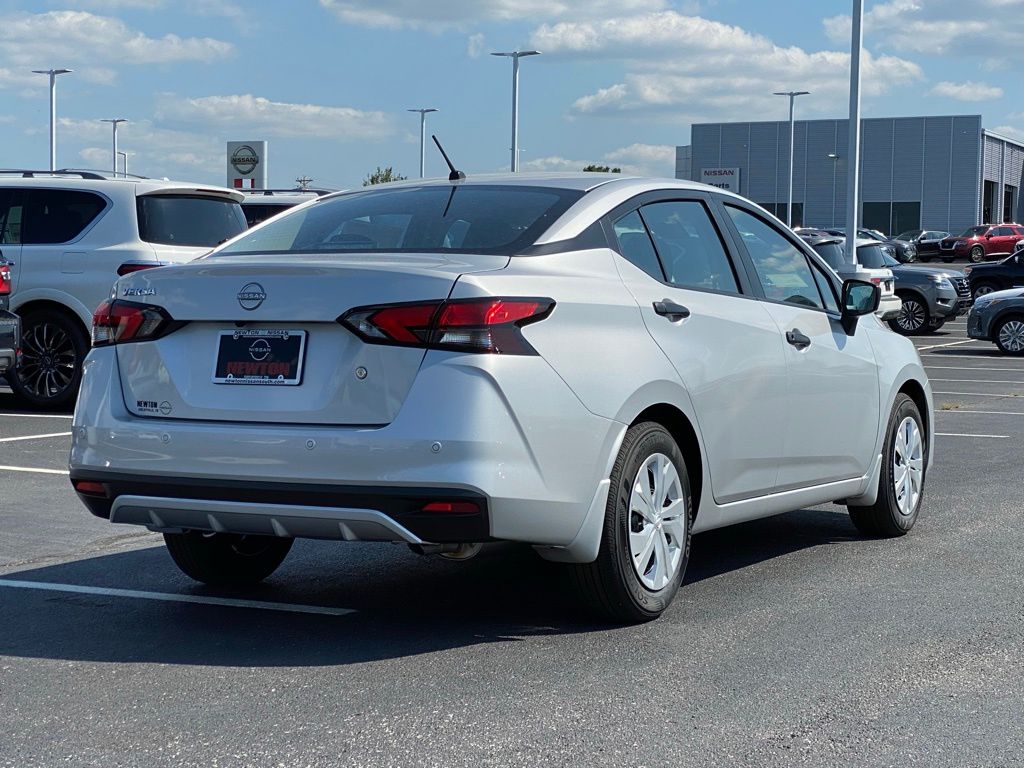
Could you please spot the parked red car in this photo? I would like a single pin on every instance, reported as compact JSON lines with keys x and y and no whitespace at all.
{"x":983,"y":243}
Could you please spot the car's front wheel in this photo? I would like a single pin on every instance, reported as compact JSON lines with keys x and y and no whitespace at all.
{"x":1009,"y":335}
{"x":913,"y":316}
{"x":983,"y":289}
{"x":977,"y":254}
{"x":901,"y":482}
{"x":226,"y":559}
{"x":645,"y":543}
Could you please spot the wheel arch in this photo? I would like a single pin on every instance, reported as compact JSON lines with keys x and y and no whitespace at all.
{"x":50,"y":305}
{"x":912,"y":388}
{"x":683,"y":432}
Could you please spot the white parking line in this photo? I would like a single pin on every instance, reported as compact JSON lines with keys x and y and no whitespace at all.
{"x":978,"y":368}
{"x":974,"y":394}
{"x":39,"y":415}
{"x":40,"y":470}
{"x":987,"y":413}
{"x":980,"y":381}
{"x":949,"y":344}
{"x":33,"y":437}
{"x":944,"y":356}
{"x":951,"y":434}
{"x":172,"y":598}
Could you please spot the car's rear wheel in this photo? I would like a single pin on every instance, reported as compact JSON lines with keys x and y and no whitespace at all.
{"x":935,"y":326}
{"x":226,"y":559}
{"x":1009,"y":335}
{"x":645,"y":543}
{"x":983,"y":289}
{"x":977,"y":254}
{"x":53,"y":347}
{"x":901,"y":483}
{"x":913,"y":315}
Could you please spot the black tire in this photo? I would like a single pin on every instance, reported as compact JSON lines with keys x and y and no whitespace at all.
{"x":53,"y":348}
{"x":935,"y":326}
{"x":884,"y":518}
{"x":977,"y":254}
{"x":226,"y":559}
{"x":611,"y":584}
{"x":913,"y":316}
{"x":983,"y":288}
{"x":1009,"y":342}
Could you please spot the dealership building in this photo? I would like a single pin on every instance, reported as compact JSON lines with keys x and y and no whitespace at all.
{"x":945,"y":173}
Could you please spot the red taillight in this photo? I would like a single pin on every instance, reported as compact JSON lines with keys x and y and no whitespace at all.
{"x":116,"y":322}
{"x":5,"y":279}
{"x":489,"y":325}
{"x":452,"y":507}
{"x":90,"y":488}
{"x":876,"y":280}
{"x":135,"y":266}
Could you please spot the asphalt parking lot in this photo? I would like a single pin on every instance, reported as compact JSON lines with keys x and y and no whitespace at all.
{"x":794,"y":642}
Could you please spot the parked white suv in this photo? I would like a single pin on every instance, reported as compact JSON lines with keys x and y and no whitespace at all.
{"x":261,"y":204}
{"x":68,"y":235}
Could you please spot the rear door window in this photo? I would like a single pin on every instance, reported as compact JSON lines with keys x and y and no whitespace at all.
{"x":189,"y":220}
{"x":871,"y":257}
{"x":635,"y":245}
{"x":10,"y":217}
{"x":52,"y":216}
{"x":689,"y":246}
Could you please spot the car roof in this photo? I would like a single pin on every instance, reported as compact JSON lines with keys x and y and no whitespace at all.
{"x":581,"y":181}
{"x":96,"y":182}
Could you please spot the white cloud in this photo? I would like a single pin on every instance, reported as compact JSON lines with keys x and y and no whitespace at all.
{"x":439,"y":14}
{"x":253,"y":114}
{"x":1010,"y":132}
{"x":969,"y":91}
{"x":694,"y":69}
{"x":636,"y":160}
{"x":91,"y":45}
{"x":987,"y":28}
{"x":475,"y":46}
{"x":222,"y":8}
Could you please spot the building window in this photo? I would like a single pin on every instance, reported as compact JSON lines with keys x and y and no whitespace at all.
{"x":1009,"y":203}
{"x":905,"y":216}
{"x":876,"y":216}
{"x":891,"y":218}
{"x":988,"y":202}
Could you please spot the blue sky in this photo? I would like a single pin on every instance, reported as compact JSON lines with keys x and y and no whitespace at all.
{"x":327,"y":82}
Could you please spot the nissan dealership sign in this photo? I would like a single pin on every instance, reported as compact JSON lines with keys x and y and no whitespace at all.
{"x":723,"y":178}
{"x":247,"y":164}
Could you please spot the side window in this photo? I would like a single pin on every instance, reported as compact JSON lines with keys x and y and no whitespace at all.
{"x":635,"y":245}
{"x":10,"y":218}
{"x":58,"y":215}
{"x":781,"y":267}
{"x":690,"y":248}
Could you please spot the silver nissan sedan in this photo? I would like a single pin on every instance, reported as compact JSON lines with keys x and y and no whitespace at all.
{"x":595,"y":365}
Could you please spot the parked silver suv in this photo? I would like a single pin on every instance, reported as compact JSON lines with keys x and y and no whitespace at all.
{"x":593,"y":365}
{"x":68,"y":235}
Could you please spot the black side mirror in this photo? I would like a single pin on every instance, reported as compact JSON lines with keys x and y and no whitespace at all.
{"x":859,"y":298}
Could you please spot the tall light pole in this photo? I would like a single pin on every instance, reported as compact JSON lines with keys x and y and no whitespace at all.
{"x":853,"y":154}
{"x":124,"y":157}
{"x":423,"y":137}
{"x":53,"y":110}
{"x":114,"y":122}
{"x":789,"y":199}
{"x":515,"y":56}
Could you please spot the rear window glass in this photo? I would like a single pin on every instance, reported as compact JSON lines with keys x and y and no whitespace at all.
{"x":192,"y":221}
{"x":54,"y":215}
{"x":832,"y":253}
{"x":871,"y":257}
{"x":467,"y":218}
{"x":257,"y":212}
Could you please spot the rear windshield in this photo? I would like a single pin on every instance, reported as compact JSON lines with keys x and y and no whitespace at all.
{"x":973,"y":232}
{"x":871,"y":257}
{"x":184,"y":220}
{"x":832,"y":253}
{"x":470,"y":218}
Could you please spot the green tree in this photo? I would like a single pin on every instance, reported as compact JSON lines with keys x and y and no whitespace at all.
{"x":601,"y":169}
{"x":382,"y":176}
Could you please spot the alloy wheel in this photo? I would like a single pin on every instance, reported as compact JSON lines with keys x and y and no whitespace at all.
{"x":657,"y":522}
{"x":1011,"y":336}
{"x":977,"y":254}
{"x":912,"y":316}
{"x":908,"y":466}
{"x":983,"y":290}
{"x":48,"y":360}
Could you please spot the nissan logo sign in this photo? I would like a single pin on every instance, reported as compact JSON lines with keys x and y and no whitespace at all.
{"x":244,"y":159}
{"x":251,"y":296}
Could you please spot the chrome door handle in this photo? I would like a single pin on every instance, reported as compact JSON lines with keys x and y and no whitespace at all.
{"x":797,"y":339}
{"x":669,"y":309}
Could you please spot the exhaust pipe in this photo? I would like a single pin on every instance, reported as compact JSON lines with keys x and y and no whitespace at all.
{"x":462,"y":551}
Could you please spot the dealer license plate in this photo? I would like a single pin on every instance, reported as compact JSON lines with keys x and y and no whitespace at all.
{"x":268,"y":357}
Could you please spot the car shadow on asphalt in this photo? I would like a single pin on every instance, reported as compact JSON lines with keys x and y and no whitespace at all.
{"x":403,"y":604}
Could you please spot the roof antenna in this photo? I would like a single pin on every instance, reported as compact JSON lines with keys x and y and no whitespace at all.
{"x":454,"y":175}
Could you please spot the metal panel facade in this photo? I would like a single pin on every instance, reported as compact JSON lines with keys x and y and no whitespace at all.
{"x":933,"y":161}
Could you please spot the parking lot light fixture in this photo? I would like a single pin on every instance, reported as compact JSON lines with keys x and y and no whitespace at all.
{"x":789,"y":199}
{"x":114,"y":122}
{"x":53,"y":109}
{"x":124,"y":161}
{"x":423,"y":137}
{"x":853,"y":165}
{"x":515,"y":56}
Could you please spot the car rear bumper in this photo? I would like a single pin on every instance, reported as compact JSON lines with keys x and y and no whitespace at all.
{"x":531,"y":463}
{"x":10,"y":336}
{"x":889,"y":307}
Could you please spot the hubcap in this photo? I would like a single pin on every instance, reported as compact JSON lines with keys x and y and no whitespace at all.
{"x":908,"y":466}
{"x":48,"y":360}
{"x":1011,"y":336}
{"x":657,"y":522}
{"x":983,"y":290}
{"x":911,"y":316}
